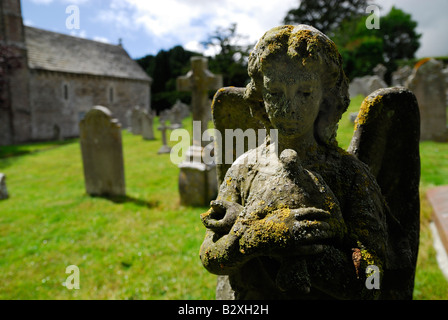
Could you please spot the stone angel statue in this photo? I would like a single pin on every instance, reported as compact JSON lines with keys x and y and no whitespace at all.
{"x":297,"y":217}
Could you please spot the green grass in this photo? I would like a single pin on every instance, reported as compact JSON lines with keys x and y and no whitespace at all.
{"x":142,"y":247}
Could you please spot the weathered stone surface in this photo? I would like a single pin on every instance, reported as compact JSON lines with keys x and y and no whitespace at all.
{"x":102,"y":153}
{"x":428,"y":84}
{"x":304,"y":220}
{"x":3,"y":189}
{"x":197,"y":182}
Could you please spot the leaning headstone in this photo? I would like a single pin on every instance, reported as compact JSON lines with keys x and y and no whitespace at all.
{"x":102,"y":153}
{"x":147,"y":125}
{"x":197,"y":180}
{"x":136,"y":120}
{"x":3,"y":190}
{"x":428,"y":84}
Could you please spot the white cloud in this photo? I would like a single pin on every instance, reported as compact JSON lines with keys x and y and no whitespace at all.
{"x":101,"y":39}
{"x":28,"y":22}
{"x":189,"y":21}
{"x":79,"y":33}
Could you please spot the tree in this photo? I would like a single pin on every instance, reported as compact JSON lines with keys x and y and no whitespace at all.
{"x":362,"y":48}
{"x":231,"y":57}
{"x":164,"y":68}
{"x":398,"y":30}
{"x":326,"y":15}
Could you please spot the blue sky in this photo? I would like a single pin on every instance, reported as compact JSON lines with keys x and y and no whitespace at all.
{"x":147,"y":26}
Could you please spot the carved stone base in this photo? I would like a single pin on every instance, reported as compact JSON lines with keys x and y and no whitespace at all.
{"x":164,"y":149}
{"x":198,"y":183}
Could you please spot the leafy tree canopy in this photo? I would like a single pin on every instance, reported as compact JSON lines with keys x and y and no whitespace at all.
{"x":326,"y":15}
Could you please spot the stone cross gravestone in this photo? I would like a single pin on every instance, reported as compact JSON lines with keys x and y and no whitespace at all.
{"x":199,"y":80}
{"x":147,"y":125}
{"x":428,"y":84}
{"x":102,"y":153}
{"x":3,"y":190}
{"x":197,"y":180}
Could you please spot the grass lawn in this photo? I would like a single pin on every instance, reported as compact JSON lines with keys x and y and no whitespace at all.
{"x":142,"y":247}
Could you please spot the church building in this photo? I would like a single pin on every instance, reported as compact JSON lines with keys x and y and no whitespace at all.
{"x":50,"y":80}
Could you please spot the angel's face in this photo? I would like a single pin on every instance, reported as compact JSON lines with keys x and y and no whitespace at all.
{"x":292,"y":95}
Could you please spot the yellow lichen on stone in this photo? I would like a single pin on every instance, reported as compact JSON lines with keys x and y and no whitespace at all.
{"x":365,"y":110}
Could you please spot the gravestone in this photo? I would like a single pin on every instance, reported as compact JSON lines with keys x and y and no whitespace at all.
{"x":3,"y":190}
{"x":136,"y":120}
{"x":147,"y":125}
{"x":400,"y":76}
{"x":179,"y":111}
{"x":163,"y":127}
{"x":197,"y":180}
{"x":428,"y":84}
{"x":380,"y":71}
{"x":102,"y":153}
{"x":128,"y":117}
{"x":366,"y":85}
{"x":306,"y":219}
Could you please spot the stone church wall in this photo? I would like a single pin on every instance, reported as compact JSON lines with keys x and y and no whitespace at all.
{"x":60,"y":100}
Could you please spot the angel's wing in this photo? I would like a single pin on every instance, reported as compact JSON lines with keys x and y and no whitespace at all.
{"x":386,"y":138}
{"x":231,"y":112}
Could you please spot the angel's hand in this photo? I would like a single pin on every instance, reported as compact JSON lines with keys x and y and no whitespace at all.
{"x":312,"y":225}
{"x":221,"y":216}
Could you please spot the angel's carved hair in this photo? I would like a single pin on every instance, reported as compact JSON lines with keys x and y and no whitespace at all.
{"x":309,"y":47}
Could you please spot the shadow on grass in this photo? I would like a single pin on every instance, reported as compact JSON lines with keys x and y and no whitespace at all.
{"x":129,"y":199}
{"x":8,"y":154}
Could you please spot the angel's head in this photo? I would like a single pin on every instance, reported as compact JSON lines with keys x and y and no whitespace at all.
{"x":298,"y":82}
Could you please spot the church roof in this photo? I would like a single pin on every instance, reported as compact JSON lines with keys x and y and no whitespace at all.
{"x":59,"y":52}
